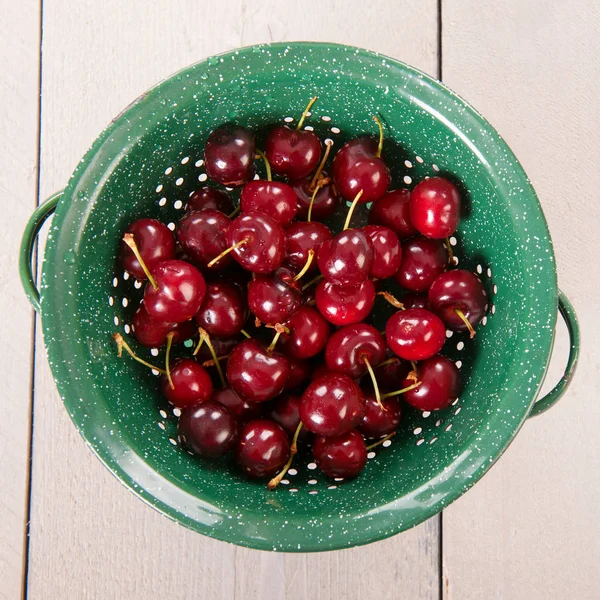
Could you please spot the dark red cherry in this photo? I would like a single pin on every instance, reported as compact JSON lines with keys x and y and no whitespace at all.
{"x":263,"y":448}
{"x":392,"y":211}
{"x":208,"y":429}
{"x":242,"y":410}
{"x":342,"y":456}
{"x":308,"y":334}
{"x":435,"y":207}
{"x":192,"y":384}
{"x":179,"y":292}
{"x":350,"y":347}
{"x":415,"y":301}
{"x":422,"y":261}
{"x":440,"y":384}
{"x":155,"y":243}
{"x":378,"y":422}
{"x":387,"y":252}
{"x":299,"y":373}
{"x":229,"y":155}
{"x":390,"y":376}
{"x":147,"y":330}
{"x":346,"y":259}
{"x":300,"y":237}
{"x":255,"y":373}
{"x":210,"y":198}
{"x":274,"y":198}
{"x":345,"y":305}
{"x":326,"y":199}
{"x":415,"y":334}
{"x":221,"y":346}
{"x":292,"y":153}
{"x":457,"y":293}
{"x":274,"y":298}
{"x":286,"y":412}
{"x":332,"y":405}
{"x":223,"y":310}
{"x":203,"y":236}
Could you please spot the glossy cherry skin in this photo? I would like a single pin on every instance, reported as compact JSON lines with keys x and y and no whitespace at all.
{"x":192,"y":384}
{"x":286,"y":412}
{"x":300,"y":237}
{"x":326,"y":202}
{"x":332,"y":405}
{"x":392,"y":211}
{"x":346,"y":259}
{"x":440,"y":384}
{"x":239,"y":408}
{"x":274,"y":298}
{"x":387,"y":252}
{"x":345,"y":305}
{"x":458,"y":289}
{"x":422,"y":261}
{"x":208,"y":429}
{"x":152,"y":333}
{"x":292,"y":153}
{"x":203,"y":236}
{"x":265,"y":248}
{"x":355,"y":168}
{"x":377,"y":422}
{"x":390,"y":376}
{"x":210,"y":198}
{"x":415,"y":301}
{"x":155,"y":243}
{"x":309,"y":332}
{"x":342,"y":456}
{"x":274,"y":198}
{"x":350,"y":347}
{"x":299,"y":372}
{"x":223,"y":310}
{"x":435,"y":207}
{"x":263,"y":448}
{"x":256,"y":374}
{"x":415,"y":334}
{"x":179,"y":294}
{"x":229,"y":155}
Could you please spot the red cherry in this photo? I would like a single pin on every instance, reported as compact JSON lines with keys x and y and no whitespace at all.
{"x":274,"y":298}
{"x":299,"y":373}
{"x":192,"y":384}
{"x":242,"y":410}
{"x":387,"y":252}
{"x":221,"y":346}
{"x":347,"y":258}
{"x":229,"y":155}
{"x":210,"y":198}
{"x":343,"y":456}
{"x":440,"y":384}
{"x":415,"y":334}
{"x":435,"y":207}
{"x":378,"y":422}
{"x":152,"y":333}
{"x":263,"y":448}
{"x":422,"y":261}
{"x":326,"y":201}
{"x":300,"y":237}
{"x":292,"y":153}
{"x":415,"y":301}
{"x":345,"y":305}
{"x":392,"y":211}
{"x":308,"y":334}
{"x":274,"y":198}
{"x":223,"y":310}
{"x":286,"y":412}
{"x":390,"y":376}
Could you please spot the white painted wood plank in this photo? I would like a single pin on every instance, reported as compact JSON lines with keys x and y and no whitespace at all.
{"x":19,"y":92}
{"x":529,"y":528}
{"x":90,"y":537}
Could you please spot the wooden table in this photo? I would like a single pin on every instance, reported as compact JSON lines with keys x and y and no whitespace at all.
{"x":528,"y":530}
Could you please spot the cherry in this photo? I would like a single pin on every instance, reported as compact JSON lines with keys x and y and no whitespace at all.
{"x":440,"y":384}
{"x":257,"y":373}
{"x":286,"y":412}
{"x":415,"y":301}
{"x":300,"y":238}
{"x":422,"y":261}
{"x":155,"y":243}
{"x":390,"y":374}
{"x":435,"y":207}
{"x":308,"y":333}
{"x":392,"y":211}
{"x":347,"y":258}
{"x":223,"y":310}
{"x":387,"y":252}
{"x":210,"y":198}
{"x":208,"y":429}
{"x":299,"y":373}
{"x":275,"y":297}
{"x":350,"y":349}
{"x":415,"y":333}
{"x":341,"y":456}
{"x":203,"y":235}
{"x":263,"y":448}
{"x":229,"y":155}
{"x":345,"y":305}
{"x":332,"y":405}
{"x":459,"y":299}
{"x":378,"y":421}
{"x":326,"y":199}
{"x":152,"y":333}
{"x":191,"y":384}
{"x":221,"y":346}
{"x":242,"y":410}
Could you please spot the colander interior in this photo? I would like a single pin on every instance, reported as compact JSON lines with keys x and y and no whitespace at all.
{"x":149,"y":161}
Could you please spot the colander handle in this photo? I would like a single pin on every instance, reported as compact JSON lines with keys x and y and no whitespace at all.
{"x":32,"y":229}
{"x":567,"y":312}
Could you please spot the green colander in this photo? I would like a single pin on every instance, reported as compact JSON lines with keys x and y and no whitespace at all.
{"x":148,"y":161}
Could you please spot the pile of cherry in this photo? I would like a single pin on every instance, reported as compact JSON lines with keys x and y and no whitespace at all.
{"x":231,"y":269}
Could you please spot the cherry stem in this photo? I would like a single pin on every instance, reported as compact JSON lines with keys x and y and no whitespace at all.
{"x":313,"y":182}
{"x":392,"y":299}
{"x":466,"y":321}
{"x":128,"y":239}
{"x":389,"y":361}
{"x":170,"y":336}
{"x":261,"y":154}
{"x":311,"y":282}
{"x":245,"y":333}
{"x":236,"y":210}
{"x":197,"y":348}
{"x":215,"y":260}
{"x":402,"y":391}
{"x":204,"y":336}
{"x":412,"y":375}
{"x":293,"y":450}
{"x":374,"y":380}
{"x":351,"y":209}
{"x":122,"y":344}
{"x":211,"y":362}
{"x":450,"y":253}
{"x":381,"y":441}
{"x":305,"y":113}
{"x":312,"y":201}
{"x":279,"y":329}
{"x":306,"y":267}
{"x":380,"y":145}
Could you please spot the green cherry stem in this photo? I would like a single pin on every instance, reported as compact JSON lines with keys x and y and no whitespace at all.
{"x":305,"y":113}
{"x":123,"y":345}
{"x":379,"y":442}
{"x":261,"y":154}
{"x":351,"y":209}
{"x":204,"y":335}
{"x":130,"y":241}
{"x":380,"y":145}
{"x":168,"y":358}
{"x":402,"y":391}
{"x":293,"y":450}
